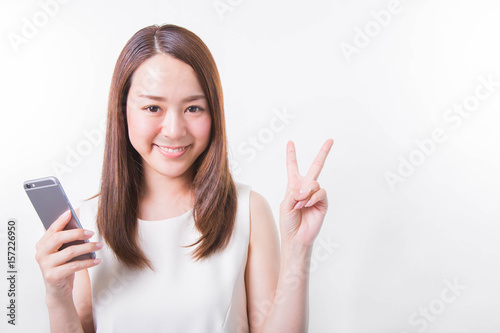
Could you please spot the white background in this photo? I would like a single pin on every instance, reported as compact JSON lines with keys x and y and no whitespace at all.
{"x":385,"y":255}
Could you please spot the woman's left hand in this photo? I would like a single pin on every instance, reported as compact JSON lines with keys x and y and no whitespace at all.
{"x":305,"y":204}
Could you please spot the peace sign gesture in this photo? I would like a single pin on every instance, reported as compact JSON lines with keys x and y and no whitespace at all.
{"x":305,"y":204}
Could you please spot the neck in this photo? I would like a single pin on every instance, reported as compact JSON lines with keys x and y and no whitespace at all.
{"x":165,"y":197}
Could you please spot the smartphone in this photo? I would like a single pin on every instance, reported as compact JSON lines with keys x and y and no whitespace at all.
{"x":50,"y":201}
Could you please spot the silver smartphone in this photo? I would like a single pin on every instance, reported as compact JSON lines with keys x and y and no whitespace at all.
{"x":48,"y":197}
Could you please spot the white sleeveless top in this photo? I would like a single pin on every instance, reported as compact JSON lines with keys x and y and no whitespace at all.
{"x":181,"y":295}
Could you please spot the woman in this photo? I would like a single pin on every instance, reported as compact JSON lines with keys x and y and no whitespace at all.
{"x":183,"y":247}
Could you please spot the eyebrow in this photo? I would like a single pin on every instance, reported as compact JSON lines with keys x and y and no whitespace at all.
{"x":163,"y":99}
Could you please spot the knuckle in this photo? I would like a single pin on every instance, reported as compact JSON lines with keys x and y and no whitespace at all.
{"x":315,"y":185}
{"x":38,"y":257}
{"x":318,"y":162}
{"x":71,"y":251}
{"x":50,"y":277}
{"x":74,"y":265}
{"x":56,"y":237}
{"x":90,"y":247}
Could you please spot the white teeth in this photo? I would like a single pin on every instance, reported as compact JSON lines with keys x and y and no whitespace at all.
{"x":170,"y":150}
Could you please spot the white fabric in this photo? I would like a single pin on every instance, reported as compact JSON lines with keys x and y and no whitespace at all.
{"x":182,"y":295}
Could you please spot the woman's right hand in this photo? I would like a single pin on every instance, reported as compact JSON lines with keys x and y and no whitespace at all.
{"x":57,"y":273}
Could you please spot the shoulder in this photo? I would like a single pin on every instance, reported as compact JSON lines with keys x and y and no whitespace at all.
{"x":259,"y":204}
{"x":256,"y":200}
{"x":262,"y":225}
{"x":259,"y":208}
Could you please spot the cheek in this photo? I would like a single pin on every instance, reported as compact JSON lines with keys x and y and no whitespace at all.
{"x":138,"y":130}
{"x":202,"y":129}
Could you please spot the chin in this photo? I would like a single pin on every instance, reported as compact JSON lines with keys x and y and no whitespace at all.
{"x":172,"y":172}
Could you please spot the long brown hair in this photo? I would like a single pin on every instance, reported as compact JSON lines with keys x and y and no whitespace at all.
{"x":214,"y":190}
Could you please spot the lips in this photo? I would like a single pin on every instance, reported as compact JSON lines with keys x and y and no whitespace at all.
{"x":172,"y":151}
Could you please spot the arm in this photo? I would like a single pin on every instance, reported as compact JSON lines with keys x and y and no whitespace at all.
{"x":62,"y":315}
{"x":277,"y":294}
{"x":82,"y":297}
{"x":279,"y":302}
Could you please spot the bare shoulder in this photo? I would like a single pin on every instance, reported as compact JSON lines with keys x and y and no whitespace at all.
{"x":264,"y":238}
{"x":261,"y":216}
{"x":264,"y":249}
{"x":258,"y":202}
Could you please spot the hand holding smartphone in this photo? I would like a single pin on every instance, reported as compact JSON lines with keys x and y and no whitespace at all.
{"x":50,"y":201}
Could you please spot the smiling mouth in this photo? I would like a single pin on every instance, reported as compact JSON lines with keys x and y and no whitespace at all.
{"x":172,"y":149}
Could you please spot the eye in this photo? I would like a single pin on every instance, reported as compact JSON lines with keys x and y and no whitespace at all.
{"x":194,"y":108}
{"x":152,"y":108}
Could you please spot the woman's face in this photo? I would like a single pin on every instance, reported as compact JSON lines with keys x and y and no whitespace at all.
{"x":167,"y":116}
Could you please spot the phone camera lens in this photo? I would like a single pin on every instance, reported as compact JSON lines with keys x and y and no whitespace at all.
{"x":28,"y":185}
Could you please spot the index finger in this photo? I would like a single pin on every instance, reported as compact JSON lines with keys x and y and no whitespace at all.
{"x":319,"y":161}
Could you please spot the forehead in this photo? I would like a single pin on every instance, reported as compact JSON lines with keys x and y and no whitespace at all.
{"x":163,"y":74}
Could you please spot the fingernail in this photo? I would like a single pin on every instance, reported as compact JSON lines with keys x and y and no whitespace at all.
{"x":98,"y":245}
{"x":98,"y":260}
{"x":304,"y":190}
{"x":298,"y":205}
{"x":67,"y":214}
{"x":88,"y":232}
{"x":308,"y":204}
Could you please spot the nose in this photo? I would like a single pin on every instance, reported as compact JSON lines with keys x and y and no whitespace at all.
{"x":173,"y":125}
